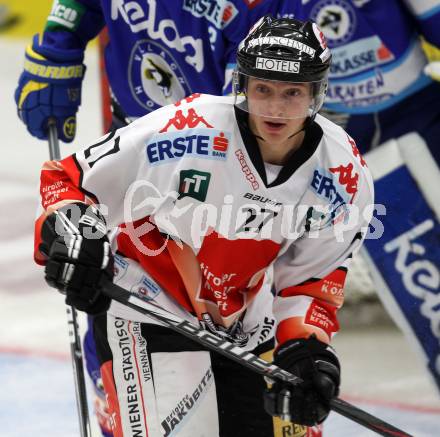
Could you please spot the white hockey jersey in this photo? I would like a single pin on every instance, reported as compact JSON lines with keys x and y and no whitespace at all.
{"x":198,"y":226}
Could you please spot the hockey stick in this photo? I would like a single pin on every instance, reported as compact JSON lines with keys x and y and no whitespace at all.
{"x":247,"y":359}
{"x":72,"y":323}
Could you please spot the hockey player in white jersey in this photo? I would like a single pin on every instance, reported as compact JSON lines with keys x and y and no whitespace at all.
{"x":205,"y":197}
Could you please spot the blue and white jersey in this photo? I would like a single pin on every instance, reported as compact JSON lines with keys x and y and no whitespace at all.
{"x":377,"y":56}
{"x":158,"y":51}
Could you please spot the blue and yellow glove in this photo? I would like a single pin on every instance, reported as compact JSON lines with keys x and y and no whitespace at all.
{"x":433,"y":54}
{"x":50,"y":87}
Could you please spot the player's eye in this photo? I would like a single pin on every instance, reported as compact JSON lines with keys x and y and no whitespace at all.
{"x":293,"y":92}
{"x":262,"y":89}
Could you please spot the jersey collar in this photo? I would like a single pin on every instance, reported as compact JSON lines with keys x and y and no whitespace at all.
{"x":312,"y":138}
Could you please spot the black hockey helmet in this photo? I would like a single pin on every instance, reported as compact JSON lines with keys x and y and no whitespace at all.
{"x":284,"y":50}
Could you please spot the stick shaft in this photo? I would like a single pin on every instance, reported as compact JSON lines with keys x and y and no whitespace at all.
{"x":247,"y":359}
{"x":72,"y":323}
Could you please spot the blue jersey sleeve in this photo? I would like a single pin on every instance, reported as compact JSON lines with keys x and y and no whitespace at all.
{"x":245,"y":14}
{"x":71,"y":24}
{"x":427,"y":14}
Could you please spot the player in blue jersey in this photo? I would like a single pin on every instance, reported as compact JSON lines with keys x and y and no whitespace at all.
{"x":157,"y":53}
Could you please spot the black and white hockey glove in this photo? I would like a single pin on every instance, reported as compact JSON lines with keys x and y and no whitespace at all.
{"x":317,"y":365}
{"x":79,"y":258}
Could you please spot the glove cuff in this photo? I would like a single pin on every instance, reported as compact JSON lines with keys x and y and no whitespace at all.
{"x":298,"y":349}
{"x":41,"y":45}
{"x":40,"y":67}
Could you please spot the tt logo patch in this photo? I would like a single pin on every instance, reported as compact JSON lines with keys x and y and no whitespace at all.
{"x":194,"y":184}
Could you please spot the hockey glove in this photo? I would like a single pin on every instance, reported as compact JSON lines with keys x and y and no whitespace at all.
{"x":50,"y":86}
{"x":317,"y":365}
{"x":79,"y":258}
{"x":433,"y":54}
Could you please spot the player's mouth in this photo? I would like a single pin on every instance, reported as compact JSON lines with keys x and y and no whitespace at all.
{"x":274,"y":127}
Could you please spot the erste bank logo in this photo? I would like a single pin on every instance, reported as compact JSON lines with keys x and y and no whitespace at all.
{"x":198,"y":143}
{"x":326,"y":187}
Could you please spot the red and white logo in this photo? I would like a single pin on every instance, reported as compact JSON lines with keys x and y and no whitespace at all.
{"x":347,"y":178}
{"x":221,"y":143}
{"x":246,"y":170}
{"x":180,"y":121}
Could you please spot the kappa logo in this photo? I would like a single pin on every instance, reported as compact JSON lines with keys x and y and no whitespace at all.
{"x":246,"y":170}
{"x":180,"y":121}
{"x":194,"y":183}
{"x":347,"y":179}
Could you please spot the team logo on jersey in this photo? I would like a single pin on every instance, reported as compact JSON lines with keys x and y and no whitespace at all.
{"x":194,"y":183}
{"x":181,"y":121}
{"x":155,"y":77}
{"x":120,"y":267}
{"x":359,"y":56}
{"x":199,"y":143}
{"x":69,"y":127}
{"x":324,"y":185}
{"x":140,"y":20}
{"x":219,"y":13}
{"x":347,"y":178}
{"x":337,"y":20}
{"x":246,"y":170}
{"x":146,"y":288}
